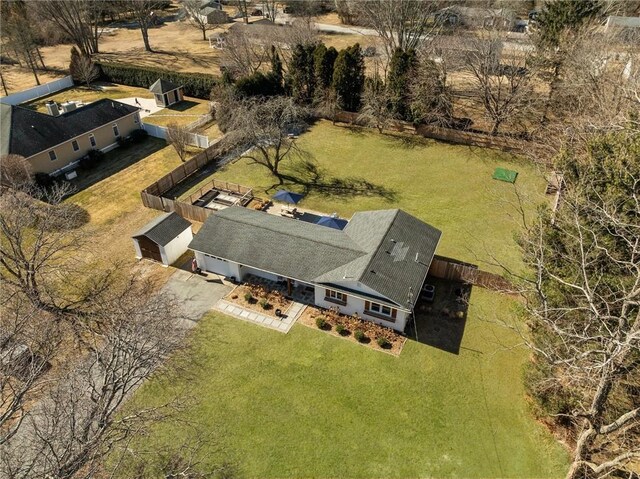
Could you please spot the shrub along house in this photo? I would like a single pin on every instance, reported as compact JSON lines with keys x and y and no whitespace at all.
{"x":374,"y":267}
{"x":54,"y":143}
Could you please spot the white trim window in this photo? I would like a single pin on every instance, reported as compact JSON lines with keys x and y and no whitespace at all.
{"x":74,"y":145}
{"x":335,"y":296}
{"x":52,"y":155}
{"x":116,"y":132}
{"x":92,"y":140}
{"x":380,"y":309}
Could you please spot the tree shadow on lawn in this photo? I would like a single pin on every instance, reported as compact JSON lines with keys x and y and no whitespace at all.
{"x":307,"y":174}
{"x":441,"y":324}
{"x":116,"y":160}
{"x":183,"y":105}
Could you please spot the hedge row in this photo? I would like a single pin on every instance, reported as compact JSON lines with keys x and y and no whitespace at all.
{"x":197,"y":85}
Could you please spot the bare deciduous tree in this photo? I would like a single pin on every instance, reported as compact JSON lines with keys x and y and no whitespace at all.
{"x":77,"y":18}
{"x":43,"y":251}
{"x":144,"y":12}
{"x":502,"y":84}
{"x":15,"y":171}
{"x":194,"y":17}
{"x":243,"y":52}
{"x":583,"y":300}
{"x":403,"y":24}
{"x":376,"y":108}
{"x":87,"y":70}
{"x":78,"y":421}
{"x":268,"y":127}
{"x":179,"y":136}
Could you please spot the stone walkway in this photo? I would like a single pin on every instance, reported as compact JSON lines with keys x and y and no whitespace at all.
{"x":279,"y":324}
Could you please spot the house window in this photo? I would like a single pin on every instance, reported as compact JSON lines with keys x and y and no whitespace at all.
{"x":335,"y":297}
{"x":116,"y":132}
{"x":380,"y":311}
{"x":92,"y":140}
{"x":52,"y":155}
{"x":74,"y":145}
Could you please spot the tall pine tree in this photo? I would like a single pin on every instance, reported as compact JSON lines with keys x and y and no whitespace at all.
{"x":348,"y":77}
{"x":301,"y":75}
{"x":401,"y":69}
{"x":324,"y":59}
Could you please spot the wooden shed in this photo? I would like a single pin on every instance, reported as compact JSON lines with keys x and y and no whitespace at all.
{"x":166,"y":93}
{"x":164,"y":239}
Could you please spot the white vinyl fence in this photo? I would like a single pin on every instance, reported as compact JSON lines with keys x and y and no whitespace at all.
{"x":156,"y":131}
{"x":38,"y":91}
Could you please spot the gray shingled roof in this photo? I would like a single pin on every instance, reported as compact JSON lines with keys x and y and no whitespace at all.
{"x":284,"y":246}
{"x":161,"y":86}
{"x":163,"y":229}
{"x":388,"y":251}
{"x":27,"y":132}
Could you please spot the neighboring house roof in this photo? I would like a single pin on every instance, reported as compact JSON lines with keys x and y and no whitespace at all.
{"x":163,"y":229}
{"x":27,"y":132}
{"x":162,"y":86}
{"x":388,"y":251}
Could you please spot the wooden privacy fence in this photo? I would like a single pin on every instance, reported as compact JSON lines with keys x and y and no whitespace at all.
{"x":463,"y":137}
{"x":454,"y":270}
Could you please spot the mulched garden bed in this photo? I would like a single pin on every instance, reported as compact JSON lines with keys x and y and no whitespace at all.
{"x":332,"y":322}
{"x":260,"y":295}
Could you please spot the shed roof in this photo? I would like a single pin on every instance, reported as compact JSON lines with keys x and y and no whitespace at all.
{"x":163,"y":229}
{"x":27,"y":132}
{"x":388,"y":251}
{"x":161,"y":86}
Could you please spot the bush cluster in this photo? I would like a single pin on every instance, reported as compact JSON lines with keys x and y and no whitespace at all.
{"x":264,"y":303}
{"x":197,"y":85}
{"x":248,"y":297}
{"x":340,"y":329}
{"x":359,"y":335}
{"x":93,"y":158}
{"x":320,"y":322}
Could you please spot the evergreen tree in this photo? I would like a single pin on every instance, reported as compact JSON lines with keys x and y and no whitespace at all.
{"x":74,"y":65}
{"x":301,"y":75}
{"x":276,"y":66}
{"x":558,"y":17}
{"x":401,"y":69}
{"x":348,"y":77}
{"x":324,"y":59}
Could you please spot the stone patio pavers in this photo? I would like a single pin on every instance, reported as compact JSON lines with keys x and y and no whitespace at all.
{"x":279,"y":324}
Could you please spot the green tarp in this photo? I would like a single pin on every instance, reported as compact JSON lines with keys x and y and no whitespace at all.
{"x":505,"y":175}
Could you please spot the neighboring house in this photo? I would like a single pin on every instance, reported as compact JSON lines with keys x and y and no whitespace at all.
{"x":54,"y":144}
{"x":213,"y":16}
{"x":164,"y":239}
{"x":166,"y":93}
{"x":375,"y":267}
{"x":471,"y":17}
{"x":626,"y":29}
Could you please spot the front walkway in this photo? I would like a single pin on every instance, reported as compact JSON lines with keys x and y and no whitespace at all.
{"x":282,"y":324}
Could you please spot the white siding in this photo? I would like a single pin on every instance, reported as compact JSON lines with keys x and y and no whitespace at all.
{"x":136,"y":246}
{"x":356,"y":305}
{"x":218,"y":266}
{"x":176,"y":247}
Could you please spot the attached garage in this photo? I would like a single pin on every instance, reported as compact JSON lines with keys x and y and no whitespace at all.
{"x":164,"y":239}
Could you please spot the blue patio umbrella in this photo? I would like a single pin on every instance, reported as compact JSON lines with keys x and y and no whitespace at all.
{"x":330,"y":222}
{"x":287,"y":196}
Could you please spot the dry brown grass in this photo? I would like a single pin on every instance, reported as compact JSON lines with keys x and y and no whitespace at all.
{"x":18,"y":78}
{"x":178,"y":47}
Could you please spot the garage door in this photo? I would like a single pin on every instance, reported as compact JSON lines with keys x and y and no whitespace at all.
{"x":217,"y":266}
{"x":149,"y":249}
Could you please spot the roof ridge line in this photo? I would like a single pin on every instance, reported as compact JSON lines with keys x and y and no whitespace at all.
{"x":291,"y":234}
{"x":377,"y":247}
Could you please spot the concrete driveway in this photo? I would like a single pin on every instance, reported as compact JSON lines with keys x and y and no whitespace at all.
{"x":196,"y":293}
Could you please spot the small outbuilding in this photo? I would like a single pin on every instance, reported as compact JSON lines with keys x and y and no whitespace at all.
{"x":166,"y":93}
{"x":164,"y":239}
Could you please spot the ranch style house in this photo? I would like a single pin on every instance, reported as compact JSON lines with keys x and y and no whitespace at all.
{"x":55,"y":143}
{"x":375,"y":267}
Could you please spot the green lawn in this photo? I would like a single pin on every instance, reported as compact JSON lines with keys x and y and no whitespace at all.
{"x":307,"y":404}
{"x":448,"y":186}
